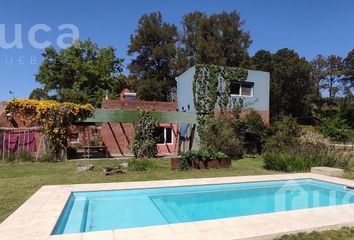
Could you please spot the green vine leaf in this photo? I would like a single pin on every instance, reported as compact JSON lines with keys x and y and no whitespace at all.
{"x":211,"y":86}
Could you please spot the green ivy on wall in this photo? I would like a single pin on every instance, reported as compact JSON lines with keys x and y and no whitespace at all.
{"x":211,"y":86}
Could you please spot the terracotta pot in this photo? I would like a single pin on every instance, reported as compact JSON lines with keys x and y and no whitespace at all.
{"x":225,"y":162}
{"x":203,"y":165}
{"x":213,"y":163}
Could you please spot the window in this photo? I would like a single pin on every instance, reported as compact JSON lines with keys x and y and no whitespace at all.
{"x":74,"y":138}
{"x":246,"y":89}
{"x":164,"y":135}
{"x":241,"y":89}
{"x":235,"y":88}
{"x":160,"y":135}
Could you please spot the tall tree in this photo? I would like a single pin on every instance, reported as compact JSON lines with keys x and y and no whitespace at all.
{"x":81,"y":73}
{"x":334,"y":75}
{"x":349,"y":69}
{"x":290,"y":84}
{"x":262,"y":61}
{"x":153,"y":48}
{"x":215,"y":39}
{"x":38,"y":94}
{"x":329,"y":73}
{"x":189,"y":37}
{"x":318,"y":72}
{"x":347,"y":101}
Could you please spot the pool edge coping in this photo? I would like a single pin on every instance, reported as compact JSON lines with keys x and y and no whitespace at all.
{"x":44,"y":207}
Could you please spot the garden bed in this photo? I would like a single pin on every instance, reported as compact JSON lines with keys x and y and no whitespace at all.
{"x":212,"y":163}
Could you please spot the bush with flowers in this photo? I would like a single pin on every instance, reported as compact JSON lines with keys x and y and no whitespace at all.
{"x":53,"y":117}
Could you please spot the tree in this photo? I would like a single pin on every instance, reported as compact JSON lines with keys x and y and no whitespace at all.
{"x":189,"y":37}
{"x":254,"y":132}
{"x":81,"y":73}
{"x":262,"y":61}
{"x":290,"y":84}
{"x":347,"y":104}
{"x":318,"y":72}
{"x":153,"y":47}
{"x":349,"y":69}
{"x":333,"y":70}
{"x":216,"y":39}
{"x":328,"y":75}
{"x":38,"y":94}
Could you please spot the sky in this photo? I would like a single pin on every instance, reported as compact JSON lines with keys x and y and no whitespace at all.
{"x":310,"y":27}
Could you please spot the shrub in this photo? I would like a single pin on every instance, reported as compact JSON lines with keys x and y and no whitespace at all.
{"x":254,"y":132}
{"x":342,"y":234}
{"x":144,"y":145}
{"x":10,"y":157}
{"x":224,"y":133}
{"x":140,"y":165}
{"x":284,"y":135}
{"x":47,"y":157}
{"x":196,"y":157}
{"x":335,"y":129}
{"x":24,"y":156}
{"x":305,"y":155}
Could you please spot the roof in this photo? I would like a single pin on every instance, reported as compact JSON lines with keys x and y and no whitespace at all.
{"x":193,"y":67}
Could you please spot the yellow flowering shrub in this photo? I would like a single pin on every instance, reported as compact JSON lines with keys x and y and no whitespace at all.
{"x":53,"y":117}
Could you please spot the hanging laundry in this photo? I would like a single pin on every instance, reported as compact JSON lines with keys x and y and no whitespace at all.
{"x":20,"y":141}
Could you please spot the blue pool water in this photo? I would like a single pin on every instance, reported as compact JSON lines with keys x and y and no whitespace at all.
{"x":105,"y":210}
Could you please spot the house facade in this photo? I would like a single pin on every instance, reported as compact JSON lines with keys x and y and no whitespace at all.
{"x":118,"y":137}
{"x":252,"y":87}
{"x":254,"y":91}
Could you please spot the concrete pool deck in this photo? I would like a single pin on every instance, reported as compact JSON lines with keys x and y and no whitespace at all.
{"x":36,"y":218}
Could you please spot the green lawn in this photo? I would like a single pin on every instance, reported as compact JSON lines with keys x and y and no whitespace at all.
{"x":18,"y":181}
{"x":343,"y":234}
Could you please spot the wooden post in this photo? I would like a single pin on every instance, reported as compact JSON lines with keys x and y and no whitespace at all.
{"x":28,"y":139}
{"x":39,"y":148}
{"x":3,"y":146}
{"x":8,"y":145}
{"x":89,"y":140}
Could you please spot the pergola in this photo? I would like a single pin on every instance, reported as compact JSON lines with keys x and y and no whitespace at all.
{"x":187,"y":120}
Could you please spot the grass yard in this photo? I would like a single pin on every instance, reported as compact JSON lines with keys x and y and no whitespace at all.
{"x":18,"y":181}
{"x":343,"y":234}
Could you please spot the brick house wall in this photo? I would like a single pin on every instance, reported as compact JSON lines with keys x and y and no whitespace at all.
{"x":264,"y":115}
{"x":118,"y":136}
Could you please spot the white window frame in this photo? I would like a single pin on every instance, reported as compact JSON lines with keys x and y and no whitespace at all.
{"x":240,"y":95}
{"x":165,"y":134}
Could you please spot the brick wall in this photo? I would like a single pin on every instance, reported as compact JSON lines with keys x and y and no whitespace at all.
{"x":118,"y":136}
{"x":264,"y":115}
{"x":136,"y":105}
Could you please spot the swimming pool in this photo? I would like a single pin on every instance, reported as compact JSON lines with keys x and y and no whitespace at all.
{"x":105,"y":210}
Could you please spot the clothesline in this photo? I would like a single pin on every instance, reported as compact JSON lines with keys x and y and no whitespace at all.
{"x":20,"y":128}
